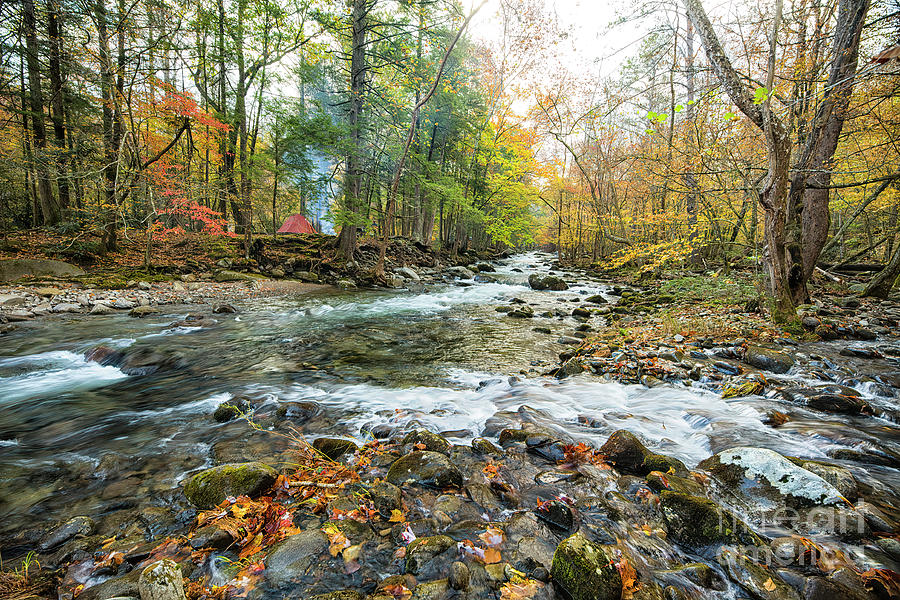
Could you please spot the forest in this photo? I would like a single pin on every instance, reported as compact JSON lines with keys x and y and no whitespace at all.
{"x":769,"y":138}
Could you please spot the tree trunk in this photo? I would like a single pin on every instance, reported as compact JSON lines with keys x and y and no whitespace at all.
{"x":111,"y":130}
{"x":49,"y":209}
{"x":353,"y":175}
{"x":883,"y":282}
{"x":57,"y":99}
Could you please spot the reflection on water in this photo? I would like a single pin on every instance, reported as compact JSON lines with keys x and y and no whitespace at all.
{"x":78,"y":437}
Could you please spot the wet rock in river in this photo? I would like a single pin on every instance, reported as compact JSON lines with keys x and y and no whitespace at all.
{"x":385,"y":496}
{"x":755,"y":578}
{"x":427,"y":440}
{"x":547,"y":282}
{"x":74,"y":527}
{"x":627,"y":454}
{"x":423,"y":550}
{"x":298,"y":411}
{"x":292,"y":558}
{"x":161,"y":580}
{"x":143,"y":311}
{"x":839,"y":477}
{"x":829,"y":398}
{"x":334,"y":448}
{"x":768,"y":360}
{"x":485,"y":446}
{"x":425,"y":468}
{"x":698,"y":522}
{"x":339,"y":595}
{"x":753,"y":472}
{"x":224,"y":308}
{"x":230,"y":409}
{"x":211,"y":487}
{"x":585,"y":571}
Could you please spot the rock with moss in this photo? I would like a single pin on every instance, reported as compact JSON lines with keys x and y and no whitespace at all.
{"x":699,"y":522}
{"x":431,"y":590}
{"x":767,"y":359}
{"x":231,"y":409}
{"x":294,"y":557}
{"x":484,"y":446}
{"x":211,"y":487}
{"x":428,"y":440}
{"x":426,"y":468}
{"x":334,"y":448}
{"x":585,"y":570}
{"x":627,"y":454}
{"x":161,"y":580}
{"x":339,"y":595}
{"x":422,"y":550}
{"x":659,"y":481}
{"x":386,"y":497}
{"x":842,"y":479}
{"x":143,"y":311}
{"x":547,"y":282}
{"x":755,"y":578}
{"x":760,"y":472}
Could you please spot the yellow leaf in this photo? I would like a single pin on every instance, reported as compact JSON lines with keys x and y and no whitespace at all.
{"x":396,"y":516}
{"x":769,"y":584}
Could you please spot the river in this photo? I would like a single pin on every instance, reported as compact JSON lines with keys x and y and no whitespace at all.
{"x":79,"y":438}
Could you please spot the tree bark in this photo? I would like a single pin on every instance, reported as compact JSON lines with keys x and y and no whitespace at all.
{"x":49,"y":209}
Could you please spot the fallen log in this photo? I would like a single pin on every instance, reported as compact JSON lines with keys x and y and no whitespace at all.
{"x":851,"y":268}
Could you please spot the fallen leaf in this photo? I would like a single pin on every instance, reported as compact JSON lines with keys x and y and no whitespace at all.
{"x":396,"y":516}
{"x":769,"y":584}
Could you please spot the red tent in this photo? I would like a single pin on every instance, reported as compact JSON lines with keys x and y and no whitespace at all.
{"x":297,"y":224}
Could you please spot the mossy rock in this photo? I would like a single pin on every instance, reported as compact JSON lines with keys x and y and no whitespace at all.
{"x":767,"y":359}
{"x":484,"y":446}
{"x":230,"y":409}
{"x":430,"y":440}
{"x":627,"y":454}
{"x":211,"y":487}
{"x":660,"y":481}
{"x":339,"y":595}
{"x":425,"y":468}
{"x":585,"y":571}
{"x":699,"y":522}
{"x":423,"y":549}
{"x":431,"y":590}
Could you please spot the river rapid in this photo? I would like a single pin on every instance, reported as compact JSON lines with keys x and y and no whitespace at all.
{"x":115,"y":443}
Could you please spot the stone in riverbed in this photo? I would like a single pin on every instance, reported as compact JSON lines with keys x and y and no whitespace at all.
{"x":426,"y":468}
{"x":830,"y":398}
{"x":547,"y":282}
{"x":585,"y":571}
{"x":16,"y":268}
{"x":339,"y":595}
{"x":755,"y":578}
{"x":142,"y":311}
{"x":298,"y":411}
{"x":768,"y":360}
{"x":76,"y":526}
{"x":596,"y":299}
{"x":102,"y":309}
{"x":226,"y":275}
{"x":698,"y":522}
{"x":293,"y":557}
{"x":211,"y":487}
{"x":429,"y":441}
{"x":839,"y":477}
{"x":230,"y":409}
{"x":161,"y":580}
{"x":752,"y":472}
{"x":627,"y":454}
{"x":422,"y":550}
{"x":334,"y":448}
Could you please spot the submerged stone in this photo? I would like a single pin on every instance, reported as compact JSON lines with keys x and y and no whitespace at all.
{"x":161,"y":580}
{"x":426,"y":468}
{"x":698,"y":522}
{"x":768,"y":360}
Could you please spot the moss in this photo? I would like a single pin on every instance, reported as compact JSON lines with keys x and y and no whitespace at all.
{"x":339,"y":595}
{"x":698,"y":522}
{"x":430,"y":590}
{"x":585,"y":571}
{"x":209,"y":488}
{"x":661,"y":462}
{"x":430,"y":440}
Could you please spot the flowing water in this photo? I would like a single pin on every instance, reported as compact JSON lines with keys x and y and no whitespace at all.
{"x":79,"y":438}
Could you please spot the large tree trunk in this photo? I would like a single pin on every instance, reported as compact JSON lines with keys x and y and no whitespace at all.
{"x":812,"y":173}
{"x":111,"y":130}
{"x":353,"y":175}
{"x":49,"y":209}
{"x":57,"y":99}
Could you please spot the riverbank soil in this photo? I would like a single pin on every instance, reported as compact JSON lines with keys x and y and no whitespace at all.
{"x":512,"y":429}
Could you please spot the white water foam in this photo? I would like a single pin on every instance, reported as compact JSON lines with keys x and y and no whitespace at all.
{"x":51,"y":373}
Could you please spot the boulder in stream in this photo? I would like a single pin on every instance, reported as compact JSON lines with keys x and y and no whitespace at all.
{"x":585,"y":570}
{"x":547,"y":282}
{"x":426,"y":468}
{"x":767,"y":359}
{"x":211,"y":487}
{"x":627,"y":454}
{"x":161,"y":580}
